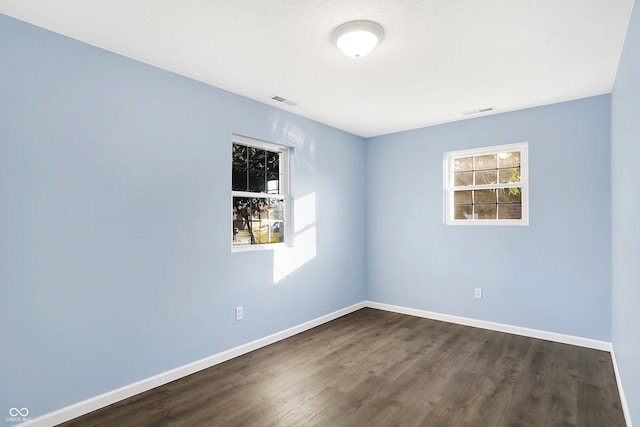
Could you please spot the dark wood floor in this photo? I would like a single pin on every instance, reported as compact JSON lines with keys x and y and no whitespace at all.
{"x":376,"y":368}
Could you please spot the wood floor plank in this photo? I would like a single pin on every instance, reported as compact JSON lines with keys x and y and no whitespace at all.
{"x":378,"y":368}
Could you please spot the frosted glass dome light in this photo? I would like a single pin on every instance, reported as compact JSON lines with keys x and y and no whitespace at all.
{"x":357,"y":39}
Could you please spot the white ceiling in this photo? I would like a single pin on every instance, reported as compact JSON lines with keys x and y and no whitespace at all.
{"x":439,"y":59}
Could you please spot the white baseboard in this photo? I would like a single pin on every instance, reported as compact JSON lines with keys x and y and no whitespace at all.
{"x":500,"y":327}
{"x":517,"y":330}
{"x":82,"y":408}
{"x":90,"y":405}
{"x":623,"y":399}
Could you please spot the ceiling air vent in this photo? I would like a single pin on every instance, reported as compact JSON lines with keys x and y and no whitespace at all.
{"x":283,"y":100}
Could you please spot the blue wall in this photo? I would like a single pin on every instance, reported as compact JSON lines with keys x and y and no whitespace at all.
{"x":115,"y":222}
{"x":552,"y":275}
{"x":115,"y":260}
{"x":625,"y":206}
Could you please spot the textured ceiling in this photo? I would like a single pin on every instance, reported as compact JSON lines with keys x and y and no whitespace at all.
{"x":439,"y":59}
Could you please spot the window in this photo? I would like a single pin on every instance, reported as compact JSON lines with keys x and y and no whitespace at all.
{"x":487,"y":186}
{"x":260,"y":193}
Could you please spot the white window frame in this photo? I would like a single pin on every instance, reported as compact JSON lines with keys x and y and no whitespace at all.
{"x":284,"y":195}
{"x":449,"y":188}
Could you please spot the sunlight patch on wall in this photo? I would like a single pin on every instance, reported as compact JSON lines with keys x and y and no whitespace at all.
{"x":304,"y":210}
{"x":287,"y":260}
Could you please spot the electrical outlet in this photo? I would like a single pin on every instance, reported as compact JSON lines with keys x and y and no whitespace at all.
{"x":239,"y":313}
{"x":479,"y":293}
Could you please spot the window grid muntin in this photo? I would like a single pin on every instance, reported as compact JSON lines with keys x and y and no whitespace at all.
{"x":259,"y":172}
{"x":502,"y":164}
{"x":475,"y":170}
{"x":279,"y":194}
{"x":499,"y":205}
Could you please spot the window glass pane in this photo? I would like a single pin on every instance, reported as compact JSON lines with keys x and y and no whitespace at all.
{"x":272,"y":161}
{"x":241,"y":221}
{"x":462,"y":197}
{"x":257,"y":221}
{"x":463,"y":164}
{"x":463,"y":212}
{"x":256,"y":158}
{"x":479,"y":181}
{"x":239,"y":179}
{"x":239,"y":156}
{"x":268,"y":221}
{"x":486,"y":162}
{"x":273,"y":183}
{"x":510,"y":195}
{"x":510,"y":211}
{"x":506,"y":160}
{"x":484,"y":196}
{"x":486,"y":177}
{"x":485,"y":211}
{"x":257,"y":182}
{"x":256,"y":172}
{"x":460,"y":179}
{"x":509,"y":175}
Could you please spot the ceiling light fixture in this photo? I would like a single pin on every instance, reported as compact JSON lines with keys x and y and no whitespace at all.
{"x":357,"y":39}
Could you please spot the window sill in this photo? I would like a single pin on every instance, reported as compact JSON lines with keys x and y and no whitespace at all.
{"x":254,"y":248}
{"x":514,"y":222}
